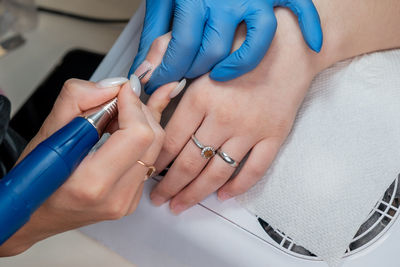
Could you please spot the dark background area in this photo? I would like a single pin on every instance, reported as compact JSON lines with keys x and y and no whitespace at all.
{"x":78,"y":64}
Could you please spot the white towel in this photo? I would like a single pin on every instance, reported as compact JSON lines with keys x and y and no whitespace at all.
{"x":341,"y":156}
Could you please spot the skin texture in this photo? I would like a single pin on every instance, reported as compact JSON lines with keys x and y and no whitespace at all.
{"x":94,"y":193}
{"x":256,"y":111}
{"x":229,"y":114}
{"x":203,"y":33}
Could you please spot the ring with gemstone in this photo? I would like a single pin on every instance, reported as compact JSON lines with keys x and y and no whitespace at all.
{"x":233,"y":163}
{"x":207,"y":152}
{"x":150,"y":172}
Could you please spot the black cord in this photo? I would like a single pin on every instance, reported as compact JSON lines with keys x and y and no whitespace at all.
{"x":80,"y":17}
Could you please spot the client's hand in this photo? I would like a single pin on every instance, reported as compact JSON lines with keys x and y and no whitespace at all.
{"x":252,"y":113}
{"x":108,"y":183}
{"x":256,"y":111}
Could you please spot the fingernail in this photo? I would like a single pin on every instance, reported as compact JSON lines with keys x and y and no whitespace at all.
{"x":135,"y":85}
{"x":178,"y":89}
{"x":145,"y":66}
{"x":178,"y":209}
{"x":157,"y":200}
{"x":224,"y":196}
{"x":111,"y":82}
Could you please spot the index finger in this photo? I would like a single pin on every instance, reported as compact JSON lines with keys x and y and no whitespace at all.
{"x":187,"y":29}
{"x":124,"y":147}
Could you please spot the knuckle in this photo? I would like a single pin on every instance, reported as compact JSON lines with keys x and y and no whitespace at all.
{"x":70,"y":83}
{"x":217,"y":52}
{"x":198,"y":95}
{"x":159,"y":137}
{"x":144,"y":135}
{"x":91,"y":195}
{"x":116,"y":210}
{"x":187,"y":166}
{"x":224,"y":115}
{"x":281,"y":129}
{"x":256,"y":172}
{"x":184,"y":44}
{"x":69,"y":88}
{"x":171,"y":145}
{"x":221,"y":174}
{"x":160,"y":44}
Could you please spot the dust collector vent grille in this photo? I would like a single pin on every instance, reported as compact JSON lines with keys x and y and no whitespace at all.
{"x":379,"y":220}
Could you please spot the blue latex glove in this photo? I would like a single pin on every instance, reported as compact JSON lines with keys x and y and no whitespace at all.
{"x":203,"y":32}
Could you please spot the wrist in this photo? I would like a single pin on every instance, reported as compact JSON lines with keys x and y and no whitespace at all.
{"x":352,"y":28}
{"x":17,"y":244}
{"x":31,"y":233}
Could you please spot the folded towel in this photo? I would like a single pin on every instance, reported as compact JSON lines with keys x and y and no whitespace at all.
{"x":341,"y":156}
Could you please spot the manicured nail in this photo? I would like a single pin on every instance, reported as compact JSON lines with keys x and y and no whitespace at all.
{"x":178,"y":209}
{"x":224,"y":196}
{"x":178,"y":89}
{"x":157,"y":200}
{"x":145,"y":66}
{"x":135,"y":85}
{"x":111,"y":82}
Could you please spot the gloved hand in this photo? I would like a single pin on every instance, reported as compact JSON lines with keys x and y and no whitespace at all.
{"x":203,"y":32}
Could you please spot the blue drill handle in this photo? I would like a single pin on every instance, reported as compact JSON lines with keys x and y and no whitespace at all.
{"x":41,"y":173}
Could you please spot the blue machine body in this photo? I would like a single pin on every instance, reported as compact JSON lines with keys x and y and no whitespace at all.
{"x":41,"y":173}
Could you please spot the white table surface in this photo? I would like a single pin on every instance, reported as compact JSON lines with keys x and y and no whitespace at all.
{"x":22,"y":70}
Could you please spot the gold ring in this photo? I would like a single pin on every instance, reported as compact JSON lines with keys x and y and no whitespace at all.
{"x":152,"y":170}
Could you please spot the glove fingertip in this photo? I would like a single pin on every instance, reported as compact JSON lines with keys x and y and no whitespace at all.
{"x":314,"y":39}
{"x":316,"y":48}
{"x":136,"y":63}
{"x":221,"y":74}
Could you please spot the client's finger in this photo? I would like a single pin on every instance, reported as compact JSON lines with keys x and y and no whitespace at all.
{"x":154,"y":56}
{"x":156,"y":23}
{"x":184,"y":122}
{"x":160,"y":99}
{"x":253,"y":170}
{"x":190,"y":162}
{"x":214,"y":175}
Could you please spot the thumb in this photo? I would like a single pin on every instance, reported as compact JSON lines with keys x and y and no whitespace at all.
{"x":78,"y":96}
{"x":160,"y":99}
{"x":309,"y":22}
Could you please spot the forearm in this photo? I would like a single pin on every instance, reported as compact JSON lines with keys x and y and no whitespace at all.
{"x":356,"y":27}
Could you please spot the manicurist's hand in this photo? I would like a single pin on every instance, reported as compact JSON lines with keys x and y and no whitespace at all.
{"x":108,"y":184}
{"x":203,"y":33}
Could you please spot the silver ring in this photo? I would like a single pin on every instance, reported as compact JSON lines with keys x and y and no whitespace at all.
{"x":228,"y":159}
{"x":207,"y":152}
